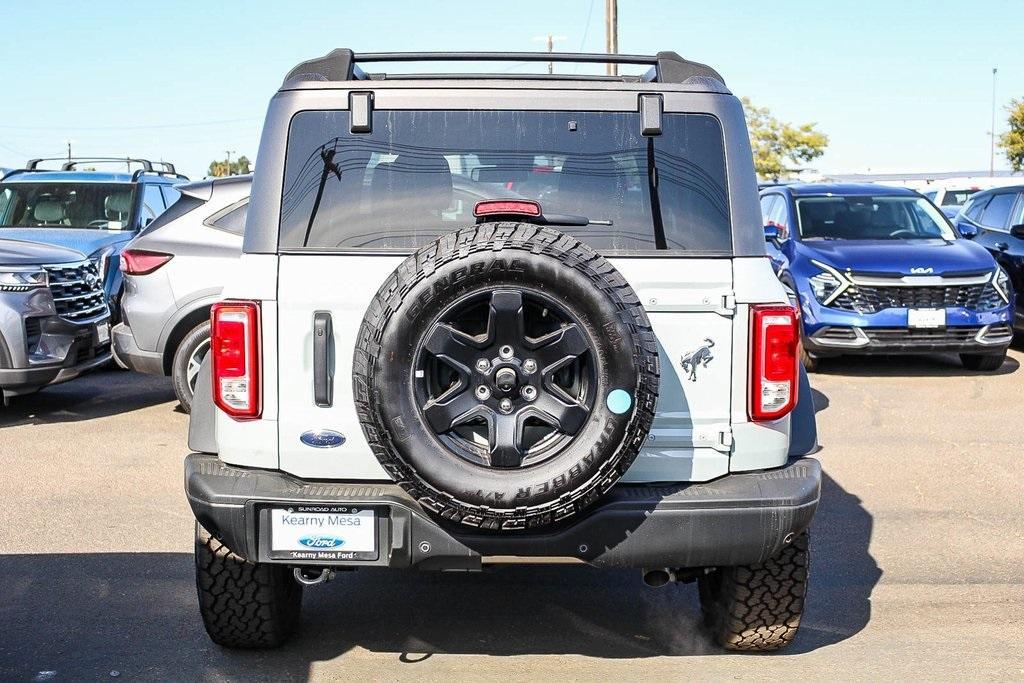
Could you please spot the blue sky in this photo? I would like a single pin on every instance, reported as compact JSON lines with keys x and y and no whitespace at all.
{"x":900,"y":85}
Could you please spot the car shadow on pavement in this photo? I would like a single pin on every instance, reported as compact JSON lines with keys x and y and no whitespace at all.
{"x":85,"y":615}
{"x":931,"y":365}
{"x":98,"y":394}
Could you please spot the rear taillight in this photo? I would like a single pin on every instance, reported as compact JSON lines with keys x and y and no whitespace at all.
{"x":141,"y":261}
{"x":773,"y":361}
{"x":235,"y":350}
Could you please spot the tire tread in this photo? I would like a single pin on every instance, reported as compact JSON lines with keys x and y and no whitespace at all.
{"x":244,"y":604}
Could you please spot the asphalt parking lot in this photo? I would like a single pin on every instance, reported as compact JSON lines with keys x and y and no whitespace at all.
{"x":916,"y":568}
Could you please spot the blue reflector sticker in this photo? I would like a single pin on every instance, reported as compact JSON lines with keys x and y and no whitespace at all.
{"x":619,"y":401}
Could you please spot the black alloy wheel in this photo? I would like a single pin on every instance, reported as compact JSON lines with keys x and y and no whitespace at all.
{"x":506,"y":378}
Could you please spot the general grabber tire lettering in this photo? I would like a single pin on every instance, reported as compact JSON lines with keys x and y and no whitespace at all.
{"x":757,"y":607}
{"x":244,"y":604}
{"x":520,"y":272}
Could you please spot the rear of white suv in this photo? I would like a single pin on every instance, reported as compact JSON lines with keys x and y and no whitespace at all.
{"x":489,"y":319}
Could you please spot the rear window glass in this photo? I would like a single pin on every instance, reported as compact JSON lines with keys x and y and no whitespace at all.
{"x":420,"y":174}
{"x":957,"y":197}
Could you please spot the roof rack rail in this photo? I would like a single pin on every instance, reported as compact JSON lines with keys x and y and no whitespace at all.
{"x":154,"y":171}
{"x":342,"y":64}
{"x":69,"y":164}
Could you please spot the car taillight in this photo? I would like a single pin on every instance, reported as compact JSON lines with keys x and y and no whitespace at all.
{"x":773,"y":361}
{"x":142,"y":262}
{"x":235,"y":350}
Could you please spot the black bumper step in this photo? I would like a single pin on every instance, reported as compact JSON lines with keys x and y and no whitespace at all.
{"x":736,"y":519}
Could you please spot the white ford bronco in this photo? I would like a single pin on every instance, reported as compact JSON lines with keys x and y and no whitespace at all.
{"x":486,"y":318}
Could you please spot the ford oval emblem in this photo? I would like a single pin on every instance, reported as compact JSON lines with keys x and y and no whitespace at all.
{"x":322,"y":542}
{"x":322,"y":438}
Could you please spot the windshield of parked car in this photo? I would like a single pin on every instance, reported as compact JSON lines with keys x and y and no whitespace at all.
{"x":420,"y":174}
{"x":97,"y":206}
{"x":870,"y":218}
{"x":957,"y":197}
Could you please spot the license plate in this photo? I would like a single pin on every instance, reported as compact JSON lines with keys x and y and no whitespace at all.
{"x":926,"y":317}
{"x":323,"y":532}
{"x":103,"y":333}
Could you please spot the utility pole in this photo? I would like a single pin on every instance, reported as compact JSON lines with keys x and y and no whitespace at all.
{"x":992,"y":142}
{"x":69,"y":150}
{"x":229,"y":153}
{"x":611,"y":32}
{"x":551,"y":40}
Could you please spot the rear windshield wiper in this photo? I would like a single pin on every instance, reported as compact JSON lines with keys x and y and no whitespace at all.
{"x":569,"y":219}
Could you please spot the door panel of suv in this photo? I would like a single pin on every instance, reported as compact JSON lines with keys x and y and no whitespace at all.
{"x":994,"y":229}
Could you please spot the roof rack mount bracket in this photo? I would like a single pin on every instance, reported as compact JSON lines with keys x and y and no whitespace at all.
{"x":360,"y":108}
{"x":650,"y":115}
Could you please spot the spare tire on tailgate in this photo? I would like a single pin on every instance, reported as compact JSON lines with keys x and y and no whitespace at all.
{"x":506,"y":376}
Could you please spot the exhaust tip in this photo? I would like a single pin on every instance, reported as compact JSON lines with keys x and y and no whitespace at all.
{"x":656,"y":578}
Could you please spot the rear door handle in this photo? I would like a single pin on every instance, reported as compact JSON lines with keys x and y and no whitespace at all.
{"x":1001,"y":246}
{"x":323,"y":352}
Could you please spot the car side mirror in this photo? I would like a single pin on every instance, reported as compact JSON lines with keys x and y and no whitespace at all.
{"x":1017,"y":231}
{"x":772,"y":233}
{"x":967,"y":230}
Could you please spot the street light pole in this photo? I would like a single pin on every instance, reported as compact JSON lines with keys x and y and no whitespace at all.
{"x":992,"y":141}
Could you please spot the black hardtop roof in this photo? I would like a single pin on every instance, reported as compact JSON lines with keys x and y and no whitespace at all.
{"x":342,"y":64}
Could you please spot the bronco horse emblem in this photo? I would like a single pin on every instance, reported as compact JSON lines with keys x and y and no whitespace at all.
{"x":701,"y":356}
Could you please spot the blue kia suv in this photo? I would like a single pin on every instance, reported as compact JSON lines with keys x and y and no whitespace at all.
{"x":879,"y":270}
{"x":94,"y":212}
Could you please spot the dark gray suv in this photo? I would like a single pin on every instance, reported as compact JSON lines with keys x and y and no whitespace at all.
{"x":54,"y":321}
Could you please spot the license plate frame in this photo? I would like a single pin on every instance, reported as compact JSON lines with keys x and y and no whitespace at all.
{"x":103,"y":333}
{"x":287,"y":541}
{"x":926,"y":318}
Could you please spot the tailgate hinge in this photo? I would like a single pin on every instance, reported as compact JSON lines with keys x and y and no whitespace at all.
{"x":724,"y":441}
{"x":727,"y":306}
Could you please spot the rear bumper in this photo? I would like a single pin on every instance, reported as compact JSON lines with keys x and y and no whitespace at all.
{"x":127,"y":349}
{"x":737,"y":519}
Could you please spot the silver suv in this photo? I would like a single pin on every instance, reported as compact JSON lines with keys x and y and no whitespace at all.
{"x":592,"y":362}
{"x":54,"y":321}
{"x":173,"y":273}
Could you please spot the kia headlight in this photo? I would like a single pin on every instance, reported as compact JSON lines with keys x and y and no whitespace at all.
{"x":828,"y":284}
{"x":22,"y":279}
{"x":1001,"y":280}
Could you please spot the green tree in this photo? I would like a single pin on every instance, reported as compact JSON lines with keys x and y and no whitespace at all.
{"x":1012,"y":141}
{"x":222,"y":167}
{"x":781,"y":148}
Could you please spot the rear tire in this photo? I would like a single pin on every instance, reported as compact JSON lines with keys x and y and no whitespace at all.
{"x":809,"y":362}
{"x":757,"y":607}
{"x":187,"y":357}
{"x":244,"y":604}
{"x":983,"y":362}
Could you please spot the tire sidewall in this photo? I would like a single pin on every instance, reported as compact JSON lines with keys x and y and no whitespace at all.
{"x":179,"y":366}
